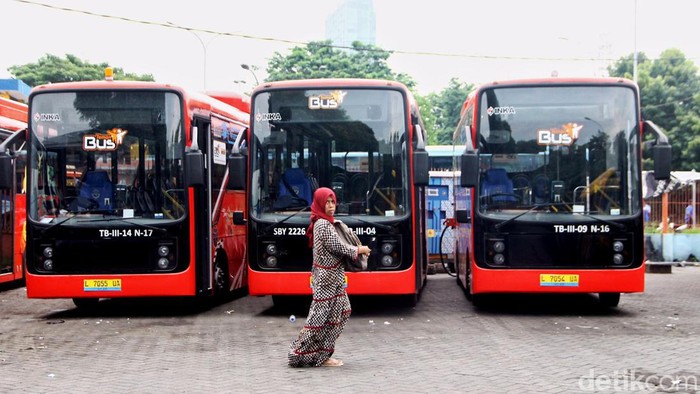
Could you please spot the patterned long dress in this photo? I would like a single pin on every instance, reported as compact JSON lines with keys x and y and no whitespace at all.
{"x":330,"y":306}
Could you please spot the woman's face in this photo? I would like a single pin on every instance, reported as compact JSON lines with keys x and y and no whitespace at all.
{"x":330,"y":206}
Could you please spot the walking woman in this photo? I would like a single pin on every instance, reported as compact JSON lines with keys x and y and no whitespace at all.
{"x":330,"y":306}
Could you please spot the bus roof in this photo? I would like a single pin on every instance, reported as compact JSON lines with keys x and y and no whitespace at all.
{"x":234,"y":99}
{"x":329,"y":83}
{"x":560,"y":81}
{"x":13,"y":115}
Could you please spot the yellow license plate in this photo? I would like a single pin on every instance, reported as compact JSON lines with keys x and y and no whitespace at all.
{"x":558,"y":280}
{"x":102,"y":285}
{"x":311,"y":281}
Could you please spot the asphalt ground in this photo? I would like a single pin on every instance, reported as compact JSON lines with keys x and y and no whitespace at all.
{"x":514,"y":344}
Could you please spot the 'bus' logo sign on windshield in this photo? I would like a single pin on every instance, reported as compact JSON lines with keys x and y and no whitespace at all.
{"x":104,"y":142}
{"x":327,"y":101}
{"x":564,"y":136}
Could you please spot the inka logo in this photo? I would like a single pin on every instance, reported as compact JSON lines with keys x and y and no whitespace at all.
{"x":564,"y":136}
{"x":490,"y":111}
{"x":104,"y":142}
{"x":331,"y":100}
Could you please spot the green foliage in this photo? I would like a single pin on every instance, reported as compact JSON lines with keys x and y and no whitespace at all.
{"x":320,"y":60}
{"x":444,"y":108}
{"x":670,"y":97}
{"x":53,"y":69}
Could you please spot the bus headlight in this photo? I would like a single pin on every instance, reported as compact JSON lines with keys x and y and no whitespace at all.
{"x":48,"y":252}
{"x":387,"y":261}
{"x":271,"y":249}
{"x":271,"y":261}
{"x":618,"y":246}
{"x":499,"y":259}
{"x":618,"y":259}
{"x":48,"y":265}
{"x":387,"y":248}
{"x":163,"y":251}
{"x":163,"y":263}
{"x":499,"y":246}
{"x":496,"y":251}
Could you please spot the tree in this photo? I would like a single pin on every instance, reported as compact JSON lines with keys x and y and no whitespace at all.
{"x":669,"y":89}
{"x":444,"y":108}
{"x":53,"y":69}
{"x":321,"y":60}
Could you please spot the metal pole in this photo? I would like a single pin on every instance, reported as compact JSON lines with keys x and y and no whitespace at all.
{"x":247,"y":67}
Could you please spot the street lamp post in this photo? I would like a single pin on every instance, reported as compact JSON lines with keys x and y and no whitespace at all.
{"x":249,"y":68}
{"x":204,"y":51}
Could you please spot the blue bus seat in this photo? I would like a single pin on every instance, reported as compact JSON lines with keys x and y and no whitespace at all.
{"x":299,"y":182}
{"x":496,"y":182}
{"x":97,"y":186}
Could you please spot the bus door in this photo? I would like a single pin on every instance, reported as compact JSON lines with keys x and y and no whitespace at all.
{"x":6,"y":230}
{"x":12,"y":213}
{"x":201,"y":210}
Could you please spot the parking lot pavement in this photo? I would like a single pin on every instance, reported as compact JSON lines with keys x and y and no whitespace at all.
{"x":517,"y":343}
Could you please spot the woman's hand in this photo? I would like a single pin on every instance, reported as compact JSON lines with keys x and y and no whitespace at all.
{"x":362,"y":249}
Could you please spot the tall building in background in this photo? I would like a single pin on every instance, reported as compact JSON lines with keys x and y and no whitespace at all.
{"x":353,"y":21}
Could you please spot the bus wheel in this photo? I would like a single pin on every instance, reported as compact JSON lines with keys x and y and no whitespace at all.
{"x":609,"y":300}
{"x":468,"y":287}
{"x":221,"y":286}
{"x":410,"y":300}
{"x":86,"y":303}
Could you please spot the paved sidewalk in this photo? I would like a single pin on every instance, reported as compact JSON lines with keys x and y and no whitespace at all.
{"x":519,"y":344}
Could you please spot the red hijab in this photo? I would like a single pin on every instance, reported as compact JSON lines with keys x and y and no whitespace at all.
{"x":318,"y":210}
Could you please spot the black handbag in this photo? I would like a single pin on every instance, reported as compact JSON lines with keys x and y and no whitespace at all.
{"x":349,"y":237}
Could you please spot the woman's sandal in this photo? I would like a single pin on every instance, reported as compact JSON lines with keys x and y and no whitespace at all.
{"x":332,"y":362}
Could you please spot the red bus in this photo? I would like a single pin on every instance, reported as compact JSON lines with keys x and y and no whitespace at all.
{"x":551,"y":198}
{"x":362,"y":138}
{"x":13,"y":124}
{"x":127,"y":193}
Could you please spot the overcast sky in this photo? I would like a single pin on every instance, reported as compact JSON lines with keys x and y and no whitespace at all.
{"x":485,"y":40}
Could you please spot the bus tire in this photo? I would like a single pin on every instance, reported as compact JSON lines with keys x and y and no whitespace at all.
{"x":86,"y":304}
{"x":609,"y":300}
{"x":410,"y":300}
{"x":221,"y":285}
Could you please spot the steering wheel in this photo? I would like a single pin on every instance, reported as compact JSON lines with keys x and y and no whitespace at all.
{"x":490,"y":198}
{"x":83,"y":204}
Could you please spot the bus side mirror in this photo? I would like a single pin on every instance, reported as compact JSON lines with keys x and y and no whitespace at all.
{"x":236,"y":171}
{"x":469,"y":167}
{"x":6,"y":171}
{"x":462,"y":216}
{"x":661,"y":151}
{"x":420,"y":168}
{"x":662,"y":162}
{"x":194,"y":168}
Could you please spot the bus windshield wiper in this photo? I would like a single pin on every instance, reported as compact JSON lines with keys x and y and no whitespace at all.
{"x":55,"y":225}
{"x":271,"y":225}
{"x":533,"y":208}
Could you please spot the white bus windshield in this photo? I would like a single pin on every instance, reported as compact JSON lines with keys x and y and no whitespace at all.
{"x":575,"y":149}
{"x":350,"y":140}
{"x":107,"y":152}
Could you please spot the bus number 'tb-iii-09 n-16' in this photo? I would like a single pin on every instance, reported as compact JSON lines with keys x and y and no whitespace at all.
{"x":581,"y":228}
